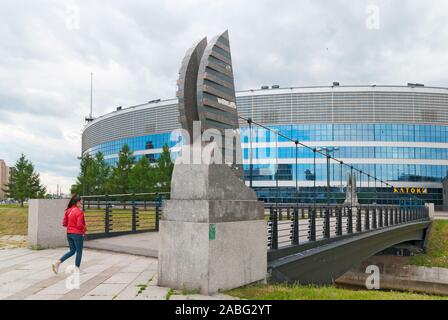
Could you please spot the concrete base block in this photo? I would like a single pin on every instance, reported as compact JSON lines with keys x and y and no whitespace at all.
{"x":431,"y":210}
{"x":211,"y":256}
{"x":45,"y":228}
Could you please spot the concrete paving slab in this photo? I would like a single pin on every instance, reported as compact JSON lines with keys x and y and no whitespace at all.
{"x":4,"y":295}
{"x":122,"y":277}
{"x":44,"y":297}
{"x":13,"y":287}
{"x":153,"y":293}
{"x":105,"y":289}
{"x":97,"y":268}
{"x":135,"y":268}
{"x":132,"y":290}
{"x":27,"y":274}
{"x":91,"y":284}
{"x":97,"y":298}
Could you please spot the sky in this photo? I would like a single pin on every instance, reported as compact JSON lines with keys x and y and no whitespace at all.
{"x":134,"y":49}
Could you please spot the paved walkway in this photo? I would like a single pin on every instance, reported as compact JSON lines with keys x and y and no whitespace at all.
{"x":441,"y":215}
{"x":26,"y":275}
{"x":142,"y":244}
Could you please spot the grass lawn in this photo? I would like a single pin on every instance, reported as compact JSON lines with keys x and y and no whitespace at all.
{"x":13,"y":220}
{"x":286,"y":292}
{"x":437,"y":248}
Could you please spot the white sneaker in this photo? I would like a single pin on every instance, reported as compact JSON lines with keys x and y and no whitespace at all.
{"x":55,"y":267}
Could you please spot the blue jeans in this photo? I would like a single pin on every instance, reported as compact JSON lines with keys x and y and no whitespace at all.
{"x":75,"y":243}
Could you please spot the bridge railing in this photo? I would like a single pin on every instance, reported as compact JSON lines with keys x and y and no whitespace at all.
{"x":295,"y":225}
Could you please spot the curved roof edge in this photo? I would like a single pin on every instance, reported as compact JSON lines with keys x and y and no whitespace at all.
{"x":286,"y":90}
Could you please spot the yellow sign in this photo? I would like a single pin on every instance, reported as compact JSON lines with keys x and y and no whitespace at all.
{"x":411,"y":190}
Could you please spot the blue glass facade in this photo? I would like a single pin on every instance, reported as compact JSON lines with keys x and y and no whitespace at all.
{"x":359,"y":132}
{"x":422,"y":148}
{"x":398,"y":134}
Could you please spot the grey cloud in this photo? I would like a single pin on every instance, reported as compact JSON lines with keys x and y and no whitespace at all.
{"x":134,"y":49}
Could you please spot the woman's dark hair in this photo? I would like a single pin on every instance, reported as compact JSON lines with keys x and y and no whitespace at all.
{"x":74,"y":200}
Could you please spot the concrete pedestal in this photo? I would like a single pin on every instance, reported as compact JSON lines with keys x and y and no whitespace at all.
{"x":212,"y":257}
{"x":212,"y":233}
{"x":45,"y":228}
{"x":431,"y":210}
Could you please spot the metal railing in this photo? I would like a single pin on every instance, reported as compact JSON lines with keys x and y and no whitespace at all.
{"x":294,"y":225}
{"x":115,"y":215}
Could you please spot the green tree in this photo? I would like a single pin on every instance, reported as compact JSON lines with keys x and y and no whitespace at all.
{"x":142,"y":178}
{"x":164,"y":171}
{"x":122,"y":171}
{"x":94,"y":176}
{"x":100,"y":174}
{"x":24,"y":182}
{"x":85,"y":181}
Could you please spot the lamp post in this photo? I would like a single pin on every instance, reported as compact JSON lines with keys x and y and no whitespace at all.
{"x":327,"y":153}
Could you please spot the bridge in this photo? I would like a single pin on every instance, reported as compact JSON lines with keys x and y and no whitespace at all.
{"x":318,"y":244}
{"x":309,"y":244}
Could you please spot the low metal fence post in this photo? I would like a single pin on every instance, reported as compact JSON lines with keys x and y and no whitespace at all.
{"x":327,"y":224}
{"x":381,"y":218}
{"x":295,"y":235}
{"x":339,"y":221}
{"x":107,"y":217}
{"x":367,"y":219}
{"x":134,"y":214}
{"x":157,"y":216}
{"x":386,"y":217}
{"x":358,"y":219}
{"x":274,"y":245}
{"x":374,"y":218}
{"x":312,"y":225}
{"x":349,"y":221}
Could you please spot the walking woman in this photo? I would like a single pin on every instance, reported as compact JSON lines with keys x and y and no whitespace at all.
{"x":76,"y":228}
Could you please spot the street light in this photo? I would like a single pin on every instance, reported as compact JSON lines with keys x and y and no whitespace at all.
{"x":327,"y":153}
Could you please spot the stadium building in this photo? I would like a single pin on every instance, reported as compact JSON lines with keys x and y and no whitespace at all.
{"x":396,"y":133}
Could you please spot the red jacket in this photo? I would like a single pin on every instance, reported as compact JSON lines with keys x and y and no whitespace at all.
{"x":74,"y":221}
